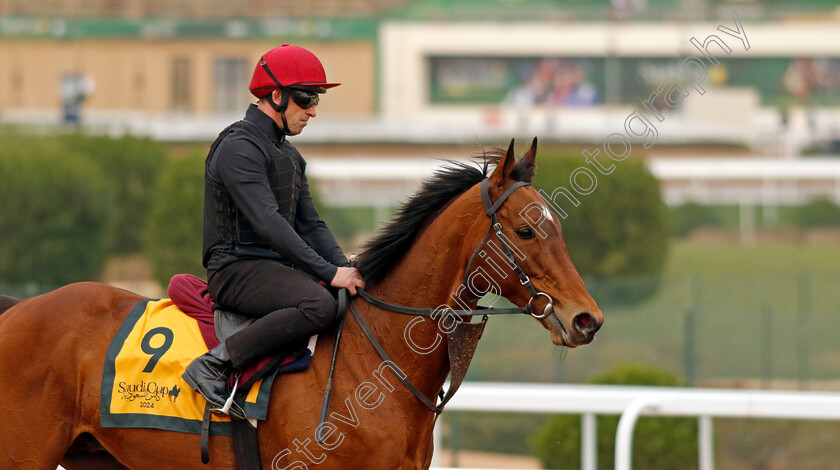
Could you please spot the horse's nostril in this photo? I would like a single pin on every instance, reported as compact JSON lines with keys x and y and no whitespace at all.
{"x":585,"y":323}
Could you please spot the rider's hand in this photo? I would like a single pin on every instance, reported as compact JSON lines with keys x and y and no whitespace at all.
{"x":349,"y":278}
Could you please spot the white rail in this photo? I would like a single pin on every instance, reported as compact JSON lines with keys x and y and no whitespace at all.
{"x":631,"y":402}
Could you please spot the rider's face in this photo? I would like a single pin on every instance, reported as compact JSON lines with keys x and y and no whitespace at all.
{"x":297,"y":117}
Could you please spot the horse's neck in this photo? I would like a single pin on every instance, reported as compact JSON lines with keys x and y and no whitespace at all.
{"x":427,"y":277}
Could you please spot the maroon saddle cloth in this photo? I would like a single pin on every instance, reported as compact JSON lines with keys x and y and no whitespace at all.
{"x":190,"y":294}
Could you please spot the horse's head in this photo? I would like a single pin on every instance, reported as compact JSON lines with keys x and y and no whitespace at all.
{"x":451,"y":210}
{"x":557,"y":294}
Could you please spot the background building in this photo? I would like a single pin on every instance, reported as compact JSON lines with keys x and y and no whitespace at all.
{"x":428,"y":69}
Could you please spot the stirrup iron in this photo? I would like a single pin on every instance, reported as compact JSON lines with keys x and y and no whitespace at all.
{"x":225,"y":409}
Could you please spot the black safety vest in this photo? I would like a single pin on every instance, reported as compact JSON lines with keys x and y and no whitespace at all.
{"x":226,"y":225}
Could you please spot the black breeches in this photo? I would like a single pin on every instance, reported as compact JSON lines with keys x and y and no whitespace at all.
{"x":288,"y":305}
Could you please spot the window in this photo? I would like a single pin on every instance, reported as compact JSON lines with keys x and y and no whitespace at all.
{"x":181,"y":80}
{"x":231,"y":78}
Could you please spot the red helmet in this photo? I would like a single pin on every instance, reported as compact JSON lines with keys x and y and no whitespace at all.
{"x":286,"y":66}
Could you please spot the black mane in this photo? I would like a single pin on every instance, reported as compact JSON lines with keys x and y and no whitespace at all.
{"x":380,"y":254}
{"x":7,"y":302}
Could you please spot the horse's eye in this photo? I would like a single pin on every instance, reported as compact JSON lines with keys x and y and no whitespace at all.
{"x":525,"y":233}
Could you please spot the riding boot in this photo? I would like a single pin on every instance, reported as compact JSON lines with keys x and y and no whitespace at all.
{"x":208,"y":375}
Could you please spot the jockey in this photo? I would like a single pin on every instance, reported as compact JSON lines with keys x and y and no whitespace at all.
{"x":265,"y":247}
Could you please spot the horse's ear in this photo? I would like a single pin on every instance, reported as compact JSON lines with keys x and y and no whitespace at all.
{"x":530,"y":158}
{"x":504,"y":167}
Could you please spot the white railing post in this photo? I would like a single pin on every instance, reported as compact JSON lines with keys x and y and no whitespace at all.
{"x":626,"y":426}
{"x":436,"y":443}
{"x":588,"y":442}
{"x":705,"y":443}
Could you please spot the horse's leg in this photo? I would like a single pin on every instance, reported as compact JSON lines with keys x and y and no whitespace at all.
{"x":33,"y":442}
{"x":51,"y":350}
{"x":35,"y":433}
{"x":37,"y":412}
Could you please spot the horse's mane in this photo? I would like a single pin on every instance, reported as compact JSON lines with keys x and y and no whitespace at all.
{"x":381,"y":253}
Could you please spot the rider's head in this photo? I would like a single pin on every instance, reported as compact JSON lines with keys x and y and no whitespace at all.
{"x":289,"y":79}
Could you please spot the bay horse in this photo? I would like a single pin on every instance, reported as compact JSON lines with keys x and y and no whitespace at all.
{"x":52,"y":346}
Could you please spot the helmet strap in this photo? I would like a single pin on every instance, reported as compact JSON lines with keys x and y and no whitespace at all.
{"x":284,"y":100}
{"x":281,"y":108}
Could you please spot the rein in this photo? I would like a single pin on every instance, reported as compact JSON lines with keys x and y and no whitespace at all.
{"x":433,"y":312}
{"x":463,"y":339}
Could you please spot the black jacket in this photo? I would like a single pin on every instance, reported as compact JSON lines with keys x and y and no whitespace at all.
{"x":237,"y":185}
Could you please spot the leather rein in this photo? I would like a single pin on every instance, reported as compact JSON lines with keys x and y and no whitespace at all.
{"x":463,"y":340}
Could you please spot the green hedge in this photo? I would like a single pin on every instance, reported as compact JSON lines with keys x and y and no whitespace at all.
{"x":817,"y":213}
{"x":494,"y":432}
{"x":133,"y":164}
{"x":619,"y":230}
{"x":71,"y":200}
{"x":344,"y":222}
{"x":658,"y":444}
{"x":687,"y":217}
{"x":173,"y":236}
{"x":57,"y":213}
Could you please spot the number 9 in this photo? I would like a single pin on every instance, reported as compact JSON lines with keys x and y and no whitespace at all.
{"x":158,"y":352}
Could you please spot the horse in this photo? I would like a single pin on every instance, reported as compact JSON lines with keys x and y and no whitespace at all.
{"x":52,"y":346}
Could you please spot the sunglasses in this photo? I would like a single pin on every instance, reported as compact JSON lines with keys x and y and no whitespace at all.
{"x":303,"y":98}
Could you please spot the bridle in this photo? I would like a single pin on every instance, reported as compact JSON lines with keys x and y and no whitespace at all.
{"x":462,"y":340}
{"x":490,"y":209}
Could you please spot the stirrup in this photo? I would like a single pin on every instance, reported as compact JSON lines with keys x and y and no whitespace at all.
{"x":225,"y":410}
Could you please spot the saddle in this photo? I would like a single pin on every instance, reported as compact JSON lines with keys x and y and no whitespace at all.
{"x":191,"y":295}
{"x":227,"y":323}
